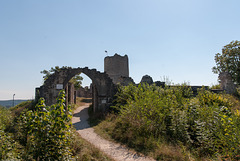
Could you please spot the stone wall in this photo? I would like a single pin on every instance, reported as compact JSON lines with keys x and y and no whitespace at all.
{"x":147,"y":79}
{"x":116,"y":67}
{"x":103,"y":88}
{"x":226,"y":83}
{"x":104,"y":85}
{"x":84,"y":92}
{"x":70,"y":99}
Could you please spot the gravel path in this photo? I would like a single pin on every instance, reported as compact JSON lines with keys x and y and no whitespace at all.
{"x":114,"y":150}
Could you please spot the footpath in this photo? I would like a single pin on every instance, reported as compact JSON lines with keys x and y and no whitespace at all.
{"x":114,"y":150}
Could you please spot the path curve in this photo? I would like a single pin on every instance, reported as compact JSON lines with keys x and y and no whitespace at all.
{"x":114,"y":150}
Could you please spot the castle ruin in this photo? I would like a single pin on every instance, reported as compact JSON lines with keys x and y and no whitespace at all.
{"x":116,"y":67}
{"x":104,"y":85}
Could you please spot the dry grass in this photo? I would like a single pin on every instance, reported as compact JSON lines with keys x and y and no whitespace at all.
{"x":17,"y":110}
{"x":81,"y":101}
{"x":84,"y":151}
{"x":234,"y":100}
{"x":159,"y":150}
{"x":105,"y":128}
{"x":168,"y":152}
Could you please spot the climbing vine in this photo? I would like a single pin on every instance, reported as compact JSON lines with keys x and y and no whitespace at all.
{"x":48,"y":130}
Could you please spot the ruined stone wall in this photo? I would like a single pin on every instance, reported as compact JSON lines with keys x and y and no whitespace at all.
{"x":70,"y":93}
{"x":116,"y":67}
{"x":226,"y":83}
{"x":84,"y":92}
{"x":103,"y":88}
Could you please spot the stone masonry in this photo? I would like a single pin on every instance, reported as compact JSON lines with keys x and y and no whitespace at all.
{"x":226,"y":83}
{"x":103,"y":88}
{"x":104,"y":85}
{"x":116,"y":67}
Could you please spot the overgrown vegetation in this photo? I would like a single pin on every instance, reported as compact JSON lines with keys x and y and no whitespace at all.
{"x":8,"y":146}
{"x":40,"y":132}
{"x":171,"y":124}
{"x":229,"y":61}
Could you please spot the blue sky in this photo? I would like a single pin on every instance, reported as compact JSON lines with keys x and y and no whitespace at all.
{"x":177,"y":39}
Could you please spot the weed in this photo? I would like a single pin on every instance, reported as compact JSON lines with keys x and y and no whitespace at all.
{"x":148,"y":116}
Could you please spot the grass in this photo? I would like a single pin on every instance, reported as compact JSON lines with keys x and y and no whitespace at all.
{"x":234,"y":100}
{"x":147,"y":146}
{"x":81,"y":149}
{"x":17,"y":110}
{"x":123,"y":127}
{"x":95,"y":118}
{"x":80,"y":102}
{"x":104,"y":126}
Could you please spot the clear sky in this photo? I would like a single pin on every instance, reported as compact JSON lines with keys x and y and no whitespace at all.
{"x":177,"y":39}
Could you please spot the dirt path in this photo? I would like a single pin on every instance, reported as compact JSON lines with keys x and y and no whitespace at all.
{"x":116,"y":151}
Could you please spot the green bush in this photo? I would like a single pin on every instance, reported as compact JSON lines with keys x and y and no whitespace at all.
{"x":42,"y":133}
{"x":8,"y":146}
{"x":48,"y":130}
{"x":5,"y":118}
{"x":203,"y":123}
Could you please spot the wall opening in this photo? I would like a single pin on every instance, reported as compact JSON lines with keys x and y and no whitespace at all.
{"x":79,"y":94}
{"x":102,"y":87}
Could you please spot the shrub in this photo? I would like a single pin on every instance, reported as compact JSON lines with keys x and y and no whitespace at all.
{"x":203,"y":123}
{"x":5,"y":118}
{"x":8,"y":146}
{"x":48,"y":130}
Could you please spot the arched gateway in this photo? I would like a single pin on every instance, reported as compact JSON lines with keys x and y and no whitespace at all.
{"x":103,"y":88}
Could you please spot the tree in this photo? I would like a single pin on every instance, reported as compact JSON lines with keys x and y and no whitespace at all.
{"x":47,"y":73}
{"x":76,"y":80}
{"x":229,"y":61}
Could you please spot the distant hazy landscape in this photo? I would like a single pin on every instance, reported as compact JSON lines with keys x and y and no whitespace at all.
{"x":9,"y":103}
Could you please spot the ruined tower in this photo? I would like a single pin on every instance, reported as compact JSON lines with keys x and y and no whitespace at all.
{"x":116,"y":67}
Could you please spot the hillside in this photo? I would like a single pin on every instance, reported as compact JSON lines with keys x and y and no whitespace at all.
{"x":9,"y":103}
{"x":174,"y":124}
{"x":49,"y":143}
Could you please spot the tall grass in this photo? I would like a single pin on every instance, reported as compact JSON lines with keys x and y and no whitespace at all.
{"x":201,"y":126}
{"x":8,"y":146}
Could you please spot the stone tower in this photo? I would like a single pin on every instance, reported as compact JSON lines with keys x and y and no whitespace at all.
{"x":116,"y":67}
{"x":227,"y":83}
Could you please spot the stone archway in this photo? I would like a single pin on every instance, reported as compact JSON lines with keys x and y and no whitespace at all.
{"x":103,"y":87}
